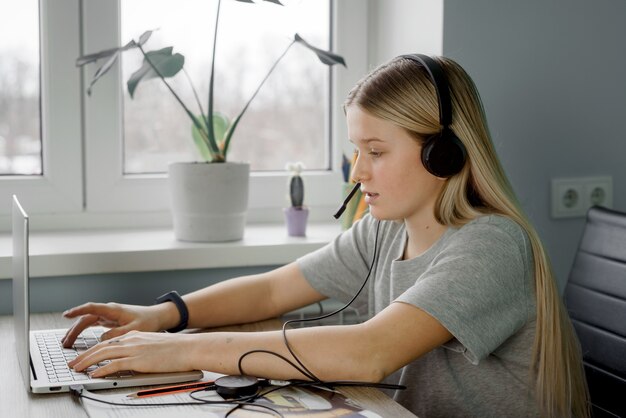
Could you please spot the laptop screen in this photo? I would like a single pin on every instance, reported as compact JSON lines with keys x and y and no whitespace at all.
{"x":20,"y":288}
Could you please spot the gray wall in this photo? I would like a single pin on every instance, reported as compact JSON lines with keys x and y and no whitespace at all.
{"x":551,"y":75}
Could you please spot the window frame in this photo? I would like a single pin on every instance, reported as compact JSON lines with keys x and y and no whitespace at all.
{"x":83,"y":186}
{"x":60,"y":187}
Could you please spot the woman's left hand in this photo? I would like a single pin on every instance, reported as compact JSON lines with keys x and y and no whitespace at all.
{"x":146,"y":352}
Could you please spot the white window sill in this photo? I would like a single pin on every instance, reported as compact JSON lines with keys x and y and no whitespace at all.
{"x":113,"y":251}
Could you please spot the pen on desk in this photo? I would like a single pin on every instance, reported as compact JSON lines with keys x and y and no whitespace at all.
{"x":168,"y":390}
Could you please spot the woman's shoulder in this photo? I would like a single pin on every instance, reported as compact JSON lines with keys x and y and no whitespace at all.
{"x":494,"y":227}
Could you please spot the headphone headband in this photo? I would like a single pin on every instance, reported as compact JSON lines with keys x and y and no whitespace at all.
{"x":440,"y":80}
{"x":443,"y":154}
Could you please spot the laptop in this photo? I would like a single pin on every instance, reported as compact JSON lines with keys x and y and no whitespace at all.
{"x":41,"y":356}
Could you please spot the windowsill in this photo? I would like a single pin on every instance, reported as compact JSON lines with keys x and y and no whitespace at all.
{"x":113,"y":251}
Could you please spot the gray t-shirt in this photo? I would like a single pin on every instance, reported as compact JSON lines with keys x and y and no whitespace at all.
{"x":477,"y":281}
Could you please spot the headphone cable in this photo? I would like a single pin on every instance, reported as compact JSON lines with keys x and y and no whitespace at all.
{"x":302,"y":368}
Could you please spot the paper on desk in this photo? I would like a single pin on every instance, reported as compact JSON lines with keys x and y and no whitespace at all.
{"x":101,"y":410}
{"x":289,"y":401}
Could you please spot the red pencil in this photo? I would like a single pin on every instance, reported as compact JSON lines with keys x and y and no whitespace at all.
{"x":168,"y":390}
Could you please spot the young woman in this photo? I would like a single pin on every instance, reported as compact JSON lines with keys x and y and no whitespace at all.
{"x":463,"y":304}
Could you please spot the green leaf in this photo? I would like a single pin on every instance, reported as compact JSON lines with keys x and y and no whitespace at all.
{"x":145,"y":36}
{"x":115,"y":53}
{"x":221,"y":123}
{"x":111,"y":54}
{"x":326,"y":57}
{"x":86,"y":59}
{"x":201,"y":143}
{"x":166,"y":63}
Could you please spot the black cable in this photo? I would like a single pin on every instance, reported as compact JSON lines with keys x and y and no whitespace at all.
{"x":318,"y":318}
{"x":377,"y":385}
{"x":247,"y":401}
{"x":302,"y":368}
{"x":79,"y":392}
{"x":285,"y":359}
{"x":319,"y":305}
{"x":243,"y":402}
{"x":239,"y":402}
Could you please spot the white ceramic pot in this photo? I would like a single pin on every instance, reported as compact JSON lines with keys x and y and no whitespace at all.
{"x":209,"y":200}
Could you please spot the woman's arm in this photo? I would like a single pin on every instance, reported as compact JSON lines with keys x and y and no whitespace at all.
{"x":245,"y":299}
{"x":364,"y":352}
{"x":234,"y":301}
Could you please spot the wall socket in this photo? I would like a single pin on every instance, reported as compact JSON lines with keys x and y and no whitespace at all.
{"x":572,"y":197}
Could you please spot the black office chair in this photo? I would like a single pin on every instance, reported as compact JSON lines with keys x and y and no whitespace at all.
{"x":595,"y":296}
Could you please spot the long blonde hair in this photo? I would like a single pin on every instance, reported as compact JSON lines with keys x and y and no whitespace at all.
{"x":401,"y":92}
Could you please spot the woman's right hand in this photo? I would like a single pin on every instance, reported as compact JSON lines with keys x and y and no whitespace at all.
{"x":120,"y":318}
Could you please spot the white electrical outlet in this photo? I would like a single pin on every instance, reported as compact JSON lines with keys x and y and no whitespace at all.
{"x":600,"y":191}
{"x":572,"y":197}
{"x":567,"y":198}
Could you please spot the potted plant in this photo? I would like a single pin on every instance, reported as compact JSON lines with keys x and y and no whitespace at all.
{"x":296,"y":216}
{"x":209,"y":199}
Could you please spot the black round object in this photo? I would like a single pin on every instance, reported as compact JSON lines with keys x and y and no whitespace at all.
{"x":443,"y":154}
{"x":230,"y":387}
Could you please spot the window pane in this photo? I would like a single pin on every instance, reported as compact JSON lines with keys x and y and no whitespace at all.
{"x":20,"y":133}
{"x":287,"y":121}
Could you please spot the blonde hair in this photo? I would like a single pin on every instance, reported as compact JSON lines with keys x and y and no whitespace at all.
{"x":401,"y":92}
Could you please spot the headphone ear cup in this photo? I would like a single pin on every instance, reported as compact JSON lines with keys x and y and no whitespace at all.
{"x":443,"y":154}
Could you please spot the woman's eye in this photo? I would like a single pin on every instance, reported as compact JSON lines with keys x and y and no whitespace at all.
{"x":375,"y":153}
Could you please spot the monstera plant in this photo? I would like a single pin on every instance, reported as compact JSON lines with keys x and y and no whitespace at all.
{"x":212,"y":130}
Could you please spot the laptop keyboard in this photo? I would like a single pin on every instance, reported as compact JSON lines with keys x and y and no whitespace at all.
{"x":55,"y":356}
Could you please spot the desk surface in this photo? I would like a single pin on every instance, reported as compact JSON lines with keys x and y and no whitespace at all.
{"x":16,"y":402}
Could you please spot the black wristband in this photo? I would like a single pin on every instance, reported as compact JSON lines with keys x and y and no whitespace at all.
{"x":174,"y":297}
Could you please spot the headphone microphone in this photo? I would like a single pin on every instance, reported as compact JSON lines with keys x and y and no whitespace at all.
{"x":343,"y":206}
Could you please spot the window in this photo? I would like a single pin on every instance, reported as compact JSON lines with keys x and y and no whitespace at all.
{"x":20,"y":136}
{"x":99,"y":160}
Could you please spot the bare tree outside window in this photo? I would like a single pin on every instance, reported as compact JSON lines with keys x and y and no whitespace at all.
{"x":287,"y":121}
{"x":20,"y":121}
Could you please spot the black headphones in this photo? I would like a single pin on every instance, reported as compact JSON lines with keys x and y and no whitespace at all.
{"x":443,"y":154}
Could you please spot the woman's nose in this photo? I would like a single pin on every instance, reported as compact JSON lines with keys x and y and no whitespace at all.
{"x":359,"y":171}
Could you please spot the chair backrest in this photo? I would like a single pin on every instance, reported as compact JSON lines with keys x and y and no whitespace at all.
{"x":595,"y":296}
